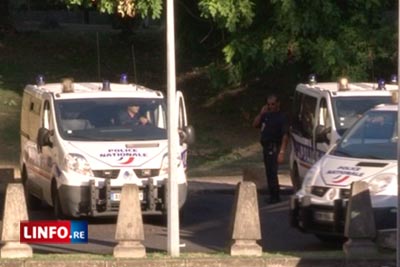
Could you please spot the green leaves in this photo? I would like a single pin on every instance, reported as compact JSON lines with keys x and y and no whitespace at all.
{"x":332,"y":37}
{"x":354,"y":38}
{"x":152,"y":8}
{"x":230,"y":14}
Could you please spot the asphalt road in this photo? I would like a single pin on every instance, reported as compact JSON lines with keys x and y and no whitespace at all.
{"x":204,"y":226}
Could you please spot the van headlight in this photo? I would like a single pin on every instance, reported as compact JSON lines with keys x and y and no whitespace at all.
{"x":77,"y":163}
{"x":309,"y":179}
{"x":380,"y":182}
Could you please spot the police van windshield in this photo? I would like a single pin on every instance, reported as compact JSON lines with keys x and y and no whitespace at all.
{"x":373,"y":137}
{"x":347,"y":110}
{"x":111,"y":119}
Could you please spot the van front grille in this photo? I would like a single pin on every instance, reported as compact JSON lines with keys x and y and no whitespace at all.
{"x":108,"y":174}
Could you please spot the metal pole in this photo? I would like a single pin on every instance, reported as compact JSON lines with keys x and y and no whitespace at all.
{"x":172,"y":208}
{"x":398,"y":143}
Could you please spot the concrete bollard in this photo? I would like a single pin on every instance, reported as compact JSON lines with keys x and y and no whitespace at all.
{"x":15,"y":211}
{"x":255,"y":175}
{"x":246,"y":227}
{"x":129,"y":232}
{"x":360,"y":223}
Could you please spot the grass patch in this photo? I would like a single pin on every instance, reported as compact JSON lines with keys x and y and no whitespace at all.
{"x":9,"y":126}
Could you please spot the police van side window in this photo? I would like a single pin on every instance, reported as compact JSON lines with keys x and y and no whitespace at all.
{"x":307,"y":115}
{"x":304,"y":114}
{"x":324,"y":119}
{"x":46,"y":115}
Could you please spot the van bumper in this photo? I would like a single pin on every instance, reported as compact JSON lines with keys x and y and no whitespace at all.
{"x":92,"y":201}
{"x":330,"y":220}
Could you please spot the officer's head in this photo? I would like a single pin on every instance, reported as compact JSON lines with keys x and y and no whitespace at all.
{"x":273,"y":103}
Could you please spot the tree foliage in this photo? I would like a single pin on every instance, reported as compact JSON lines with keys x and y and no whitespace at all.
{"x":130,"y":8}
{"x":356,"y":38}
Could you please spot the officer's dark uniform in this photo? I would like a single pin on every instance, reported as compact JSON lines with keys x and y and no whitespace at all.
{"x":274,"y":126}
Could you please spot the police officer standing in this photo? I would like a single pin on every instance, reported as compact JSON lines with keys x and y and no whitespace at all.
{"x":274,"y":127}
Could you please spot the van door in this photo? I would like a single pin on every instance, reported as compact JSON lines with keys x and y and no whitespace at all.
{"x":45,"y":152}
{"x":182,"y":124}
{"x":323,"y":130}
{"x":302,"y":135}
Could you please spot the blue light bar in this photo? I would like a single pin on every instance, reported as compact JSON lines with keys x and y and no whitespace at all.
{"x":40,"y":80}
{"x":381,"y":84}
{"x":124,"y":78}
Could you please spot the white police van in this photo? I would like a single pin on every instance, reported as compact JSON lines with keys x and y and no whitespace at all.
{"x":76,"y":157}
{"x":366,"y":152}
{"x":321,"y":114}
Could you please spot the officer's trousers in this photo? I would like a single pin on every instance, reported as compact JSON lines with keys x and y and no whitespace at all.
{"x":270,"y":153}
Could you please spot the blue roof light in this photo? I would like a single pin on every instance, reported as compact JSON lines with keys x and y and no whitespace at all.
{"x":393,"y":79}
{"x":381,"y":84}
{"x":124,"y":78}
{"x":40,"y":80}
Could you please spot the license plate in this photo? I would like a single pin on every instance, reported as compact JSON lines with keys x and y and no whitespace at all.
{"x":116,"y":196}
{"x":324,"y":216}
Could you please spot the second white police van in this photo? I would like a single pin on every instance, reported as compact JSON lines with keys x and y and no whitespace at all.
{"x":367,"y":152}
{"x":76,"y":154}
{"x":322,"y":112}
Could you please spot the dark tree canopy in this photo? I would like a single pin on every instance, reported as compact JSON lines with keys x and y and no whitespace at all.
{"x":329,"y":37}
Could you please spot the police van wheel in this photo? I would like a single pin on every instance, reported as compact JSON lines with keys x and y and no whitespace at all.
{"x":56,"y":204}
{"x":295,"y":177}
{"x":32,"y":202}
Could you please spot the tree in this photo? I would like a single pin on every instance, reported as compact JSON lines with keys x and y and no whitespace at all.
{"x":355,"y":38}
{"x":130,"y":8}
{"x":329,"y":37}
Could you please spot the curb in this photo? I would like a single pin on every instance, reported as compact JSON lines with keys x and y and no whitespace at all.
{"x":203,"y":262}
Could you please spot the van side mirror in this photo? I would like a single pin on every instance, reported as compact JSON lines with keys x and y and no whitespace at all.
{"x":187,"y":135}
{"x":43,"y":138}
{"x":321,"y":134}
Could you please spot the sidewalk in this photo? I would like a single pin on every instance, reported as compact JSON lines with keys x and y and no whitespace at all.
{"x":203,"y":261}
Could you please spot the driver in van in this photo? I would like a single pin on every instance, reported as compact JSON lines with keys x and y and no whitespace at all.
{"x":274,"y":138}
{"x":131,"y":116}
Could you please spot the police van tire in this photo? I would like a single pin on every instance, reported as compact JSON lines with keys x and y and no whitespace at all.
{"x":295,"y":177}
{"x":32,"y":202}
{"x":56,"y":203}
